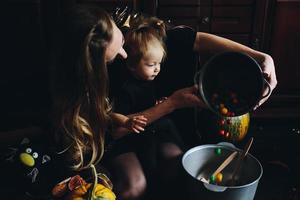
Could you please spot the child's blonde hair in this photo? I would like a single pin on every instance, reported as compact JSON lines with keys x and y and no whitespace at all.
{"x":141,"y":35}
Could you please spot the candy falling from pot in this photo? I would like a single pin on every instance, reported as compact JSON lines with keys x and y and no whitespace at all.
{"x":233,"y":128}
{"x":228,"y":103}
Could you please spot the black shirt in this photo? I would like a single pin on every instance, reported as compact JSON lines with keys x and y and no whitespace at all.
{"x":181,"y":62}
{"x":177,"y":71}
{"x":134,"y":96}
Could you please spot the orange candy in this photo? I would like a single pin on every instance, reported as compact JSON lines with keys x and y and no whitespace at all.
{"x":224,"y":111}
{"x":219,"y":177}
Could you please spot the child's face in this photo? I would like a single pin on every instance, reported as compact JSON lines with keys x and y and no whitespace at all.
{"x":149,"y":66}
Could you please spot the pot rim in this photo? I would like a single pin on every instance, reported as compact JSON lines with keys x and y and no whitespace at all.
{"x":233,"y":148}
{"x":205,"y":66}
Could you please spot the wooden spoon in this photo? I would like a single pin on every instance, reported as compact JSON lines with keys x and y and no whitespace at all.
{"x":221,"y":167}
{"x":240,"y":161}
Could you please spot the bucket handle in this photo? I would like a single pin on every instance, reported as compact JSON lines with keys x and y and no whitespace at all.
{"x":196,"y":77}
{"x":269,"y":89}
{"x":214,"y":188}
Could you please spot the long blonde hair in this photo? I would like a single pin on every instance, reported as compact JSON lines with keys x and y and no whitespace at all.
{"x":81,"y":86}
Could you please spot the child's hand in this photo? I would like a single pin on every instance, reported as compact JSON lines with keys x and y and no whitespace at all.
{"x":136,"y":123}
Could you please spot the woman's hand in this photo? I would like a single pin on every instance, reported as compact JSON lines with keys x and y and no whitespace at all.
{"x":136,"y":123}
{"x":186,"y":97}
{"x":268,"y":68}
{"x":206,"y":43}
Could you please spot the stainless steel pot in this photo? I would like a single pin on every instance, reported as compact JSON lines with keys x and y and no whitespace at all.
{"x":203,"y":160}
{"x":232,"y":73}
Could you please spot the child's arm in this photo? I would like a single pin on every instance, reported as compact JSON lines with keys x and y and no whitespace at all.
{"x":132,"y":123}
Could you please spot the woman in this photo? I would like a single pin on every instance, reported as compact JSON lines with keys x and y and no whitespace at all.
{"x":82,"y":112}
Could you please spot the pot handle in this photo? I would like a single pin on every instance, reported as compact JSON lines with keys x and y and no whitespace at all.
{"x":196,"y":77}
{"x":269,"y":88}
{"x":214,"y":188}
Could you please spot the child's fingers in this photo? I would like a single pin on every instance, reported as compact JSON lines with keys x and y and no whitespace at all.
{"x":140,"y":121}
{"x":140,"y":128}
{"x":162,"y":99}
{"x":140,"y":118}
{"x":135,"y":130}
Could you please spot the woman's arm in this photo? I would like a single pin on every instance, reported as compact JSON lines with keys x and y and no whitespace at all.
{"x":209,"y":43}
{"x":182,"y":98}
{"x":186,"y":97}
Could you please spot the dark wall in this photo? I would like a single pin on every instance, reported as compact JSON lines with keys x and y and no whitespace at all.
{"x":29,"y":33}
{"x":24,"y":65}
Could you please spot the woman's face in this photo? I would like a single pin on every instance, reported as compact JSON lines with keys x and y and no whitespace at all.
{"x":115,"y":47}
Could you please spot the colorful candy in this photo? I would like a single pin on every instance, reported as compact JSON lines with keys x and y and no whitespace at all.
{"x":224,"y":111}
{"x":221,"y":132}
{"x":235,"y":101}
{"x":222,"y":122}
{"x":212,"y":179}
{"x":216,"y":179}
{"x":218,"y":151}
{"x":219,"y":178}
{"x":228,"y":104}
{"x":227,"y":134}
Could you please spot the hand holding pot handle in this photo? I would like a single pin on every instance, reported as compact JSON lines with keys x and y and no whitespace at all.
{"x":196,"y":77}
{"x":268,"y":90}
{"x":185,"y":97}
{"x":268,"y":69}
{"x":266,"y":94}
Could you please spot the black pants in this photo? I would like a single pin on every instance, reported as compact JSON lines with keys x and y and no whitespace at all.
{"x":145,"y":144}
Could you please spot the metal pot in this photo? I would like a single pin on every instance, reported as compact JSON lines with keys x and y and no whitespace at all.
{"x":231,"y":73}
{"x":203,"y":160}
